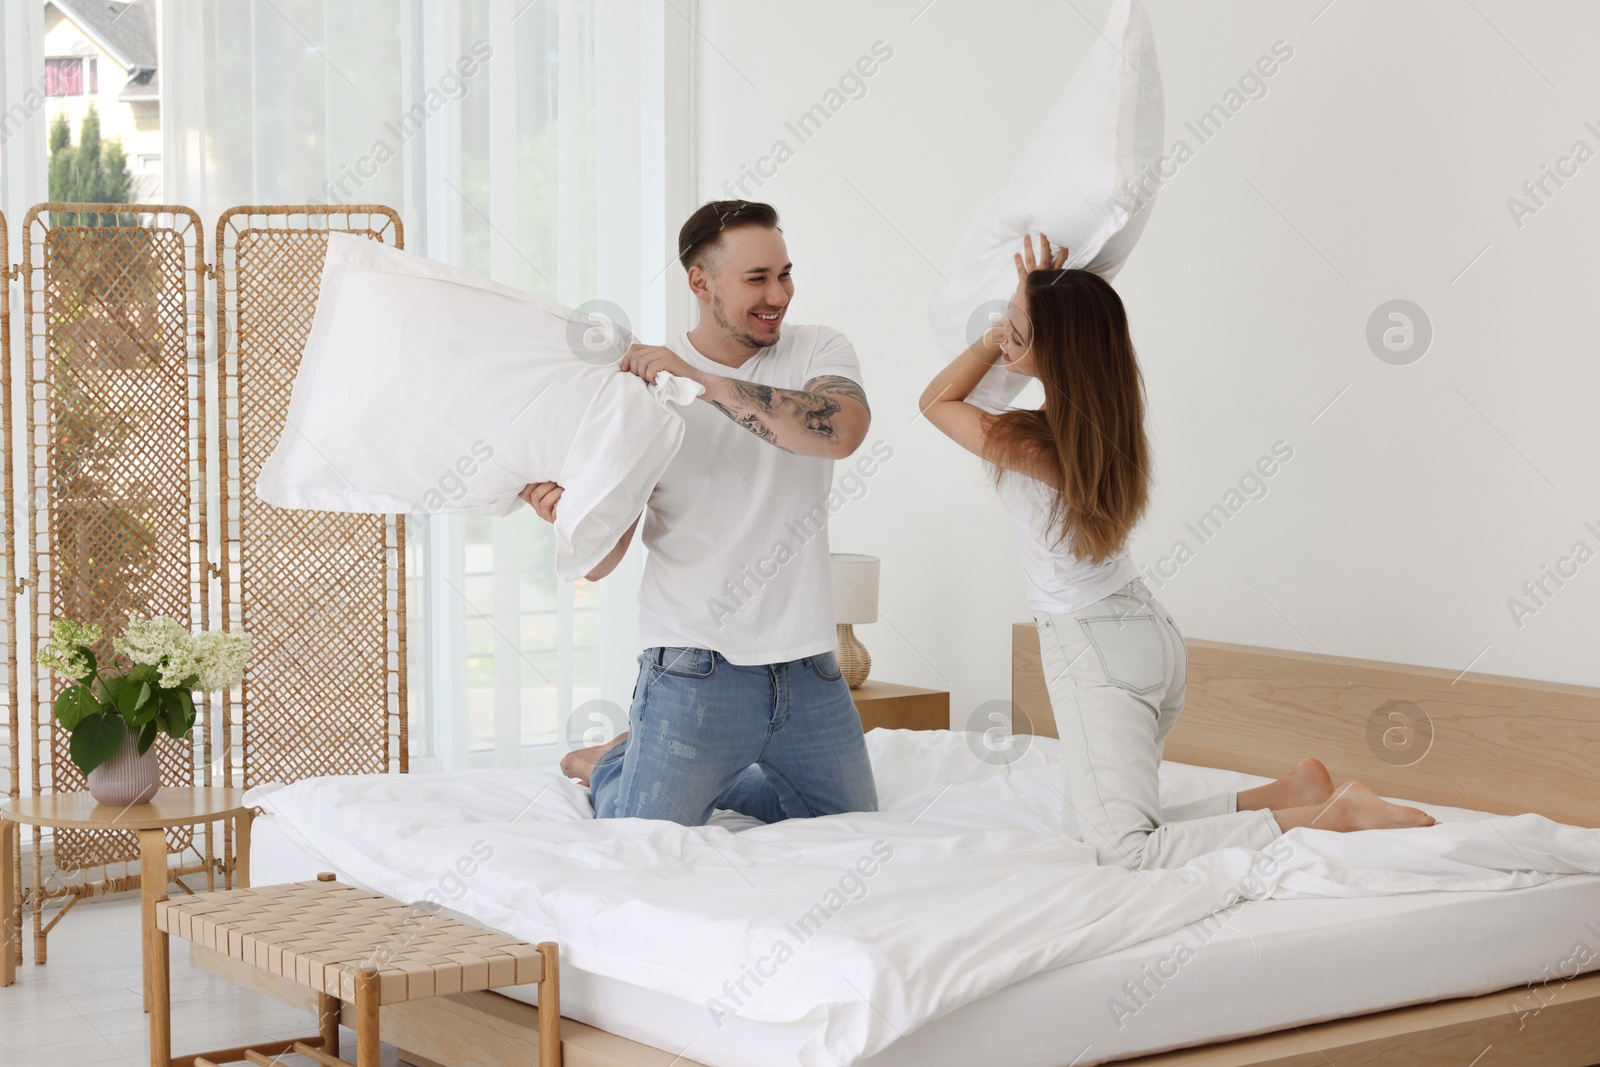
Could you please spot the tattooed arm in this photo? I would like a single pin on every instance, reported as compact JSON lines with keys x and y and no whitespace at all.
{"x":828,"y":418}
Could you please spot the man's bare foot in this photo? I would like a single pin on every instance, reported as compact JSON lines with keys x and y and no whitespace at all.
{"x":1308,"y":782}
{"x":579,"y":763}
{"x":1353,"y":807}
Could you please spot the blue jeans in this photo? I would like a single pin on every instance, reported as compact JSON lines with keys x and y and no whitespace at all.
{"x":777,"y":741}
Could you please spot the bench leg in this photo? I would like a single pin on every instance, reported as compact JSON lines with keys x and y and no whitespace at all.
{"x":368,"y":1050}
{"x":328,"y":1008}
{"x":158,"y":987}
{"x":550,"y":1006}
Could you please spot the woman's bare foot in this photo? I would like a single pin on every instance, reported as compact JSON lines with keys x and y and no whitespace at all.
{"x":1353,"y":807}
{"x":579,"y":763}
{"x":1308,"y":782}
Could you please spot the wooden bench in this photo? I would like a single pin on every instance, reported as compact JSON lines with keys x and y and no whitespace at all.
{"x":350,"y":947}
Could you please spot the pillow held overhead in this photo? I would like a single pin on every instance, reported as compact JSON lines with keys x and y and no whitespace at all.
{"x":1090,"y":152}
{"x":429,"y":390}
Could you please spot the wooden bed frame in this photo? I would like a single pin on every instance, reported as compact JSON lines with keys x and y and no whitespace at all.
{"x":1501,"y":745}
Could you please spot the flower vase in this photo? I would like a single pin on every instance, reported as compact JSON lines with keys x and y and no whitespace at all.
{"x":127,"y":778}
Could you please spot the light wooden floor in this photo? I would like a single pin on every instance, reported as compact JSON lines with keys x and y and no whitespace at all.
{"x":84,"y":1007}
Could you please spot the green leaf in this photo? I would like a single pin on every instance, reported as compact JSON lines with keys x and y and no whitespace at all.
{"x":94,"y":665}
{"x":148,"y":735}
{"x":171,"y":711}
{"x":75,"y":704}
{"x":149,"y":711}
{"x":143,"y":672}
{"x":111,"y":687}
{"x":131,"y":699}
{"x":180,"y":723}
{"x":96,"y":740}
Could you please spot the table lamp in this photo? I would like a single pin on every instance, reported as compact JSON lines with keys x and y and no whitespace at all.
{"x":855,"y":599}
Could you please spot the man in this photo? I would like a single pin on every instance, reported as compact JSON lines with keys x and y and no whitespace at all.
{"x":739,"y":702}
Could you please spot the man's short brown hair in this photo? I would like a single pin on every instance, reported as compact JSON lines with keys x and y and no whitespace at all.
{"x":707,"y":225}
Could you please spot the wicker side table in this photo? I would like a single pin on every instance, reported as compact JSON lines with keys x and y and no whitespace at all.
{"x":352,"y":948}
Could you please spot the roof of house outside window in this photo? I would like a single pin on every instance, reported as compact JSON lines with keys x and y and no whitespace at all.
{"x":146,"y":85}
{"x":124,"y":31}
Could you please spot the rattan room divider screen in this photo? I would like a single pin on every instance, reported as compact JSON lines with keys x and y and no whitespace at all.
{"x":128,"y":515}
{"x":8,"y":588}
{"x":115,"y":475}
{"x":322,"y":594}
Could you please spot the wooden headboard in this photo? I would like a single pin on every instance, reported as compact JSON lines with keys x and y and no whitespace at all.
{"x":1503,"y":745}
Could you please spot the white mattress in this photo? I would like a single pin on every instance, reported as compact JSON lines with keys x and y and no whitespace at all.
{"x":1269,"y":964}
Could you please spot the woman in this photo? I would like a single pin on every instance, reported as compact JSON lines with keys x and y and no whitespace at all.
{"x":1074,"y":476}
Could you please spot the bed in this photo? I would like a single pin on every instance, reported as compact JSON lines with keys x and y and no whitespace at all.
{"x":1251,"y":711}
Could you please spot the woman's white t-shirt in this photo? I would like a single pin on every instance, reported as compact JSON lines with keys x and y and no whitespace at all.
{"x":736,"y":528}
{"x":1059,"y":582}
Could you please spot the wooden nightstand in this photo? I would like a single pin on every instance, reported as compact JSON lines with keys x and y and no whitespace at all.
{"x":901,"y":707}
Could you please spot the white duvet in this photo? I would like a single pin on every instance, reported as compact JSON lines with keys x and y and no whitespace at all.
{"x":865,"y":926}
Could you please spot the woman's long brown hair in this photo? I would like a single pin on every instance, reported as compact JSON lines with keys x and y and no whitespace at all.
{"x":1092,"y":422}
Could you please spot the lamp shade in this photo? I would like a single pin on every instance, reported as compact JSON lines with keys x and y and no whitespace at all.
{"x":855,"y":588}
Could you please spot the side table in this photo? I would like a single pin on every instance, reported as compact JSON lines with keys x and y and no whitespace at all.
{"x":901,"y":707}
{"x":169,"y":808}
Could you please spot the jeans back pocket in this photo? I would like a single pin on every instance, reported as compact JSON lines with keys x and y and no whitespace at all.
{"x":1131,"y":650}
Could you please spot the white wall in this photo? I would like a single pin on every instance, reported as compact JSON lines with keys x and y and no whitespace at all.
{"x":1377,"y":166}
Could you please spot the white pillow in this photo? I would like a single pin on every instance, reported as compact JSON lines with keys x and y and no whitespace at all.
{"x":429,"y":390}
{"x":1104,"y":132}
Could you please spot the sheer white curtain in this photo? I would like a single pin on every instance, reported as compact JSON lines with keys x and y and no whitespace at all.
{"x":24,"y":152}
{"x":23,"y":165}
{"x":524,"y":139}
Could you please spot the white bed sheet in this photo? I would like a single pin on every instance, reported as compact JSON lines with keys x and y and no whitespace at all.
{"x":1272,"y":963}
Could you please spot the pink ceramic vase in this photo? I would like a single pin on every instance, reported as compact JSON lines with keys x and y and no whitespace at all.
{"x":127,"y":778}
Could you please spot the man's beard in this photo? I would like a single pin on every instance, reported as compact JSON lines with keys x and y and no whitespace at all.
{"x":740,"y":336}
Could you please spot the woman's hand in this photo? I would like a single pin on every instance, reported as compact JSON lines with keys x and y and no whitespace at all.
{"x":543,"y":496}
{"x":1027,"y":263}
{"x":994,"y":340}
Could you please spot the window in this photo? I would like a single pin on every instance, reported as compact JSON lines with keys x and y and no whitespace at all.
{"x":71,"y":75}
{"x":538,"y":184}
{"x":530,"y":642}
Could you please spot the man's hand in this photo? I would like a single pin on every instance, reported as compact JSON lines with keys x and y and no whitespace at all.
{"x":647,"y":360}
{"x":544,"y":497}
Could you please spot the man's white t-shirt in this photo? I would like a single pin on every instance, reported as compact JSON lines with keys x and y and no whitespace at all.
{"x":736,"y":528}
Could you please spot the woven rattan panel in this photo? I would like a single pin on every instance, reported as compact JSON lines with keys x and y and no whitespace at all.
{"x":116,"y":419}
{"x":12,"y":742}
{"x":322,"y":595}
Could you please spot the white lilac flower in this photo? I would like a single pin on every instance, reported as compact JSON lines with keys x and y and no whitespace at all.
{"x":219,"y":658}
{"x":215,"y":659}
{"x":152,"y":642}
{"x":61,"y":653}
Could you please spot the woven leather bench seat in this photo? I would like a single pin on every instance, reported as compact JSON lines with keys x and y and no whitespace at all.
{"x":323,"y":934}
{"x":351,"y":947}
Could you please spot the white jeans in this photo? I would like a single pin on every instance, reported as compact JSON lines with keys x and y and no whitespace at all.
{"x":1116,"y":671}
